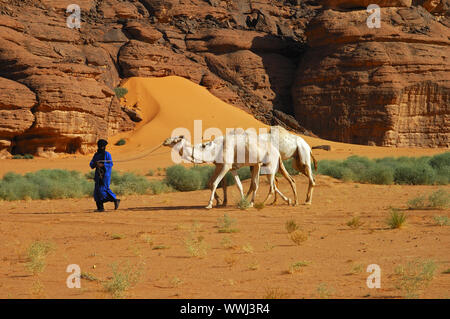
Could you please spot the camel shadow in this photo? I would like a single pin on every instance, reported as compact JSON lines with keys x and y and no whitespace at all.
{"x":154,"y":208}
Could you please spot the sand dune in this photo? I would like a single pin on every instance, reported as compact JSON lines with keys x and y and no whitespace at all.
{"x":174,"y":102}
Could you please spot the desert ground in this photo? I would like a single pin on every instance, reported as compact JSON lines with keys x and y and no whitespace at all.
{"x":152,"y":234}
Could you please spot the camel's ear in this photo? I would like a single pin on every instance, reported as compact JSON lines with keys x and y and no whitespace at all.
{"x":181,"y":136}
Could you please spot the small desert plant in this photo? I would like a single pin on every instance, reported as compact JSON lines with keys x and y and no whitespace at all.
{"x":231,"y":260}
{"x":117,"y":236}
{"x":417,"y":203}
{"x":160,"y":247}
{"x":244,"y":204}
{"x":355,"y":222}
{"x":414,"y":276}
{"x":253,"y":266}
{"x":247,"y":248}
{"x":121,"y":142}
{"x":88,"y":276}
{"x":226,"y":223}
{"x":176,"y":282}
{"x":442,"y":220}
{"x":37,"y":252}
{"x":227,"y":243}
{"x":275,"y":293}
{"x":297,"y":266}
{"x":120,"y":92}
{"x":324,"y":291}
{"x":123,"y":278}
{"x":397,"y":219}
{"x":439,"y":199}
{"x":150,"y":173}
{"x":446,"y":271}
{"x":196,"y":246}
{"x":146,"y":238}
{"x":159,"y":187}
{"x":357,"y":269}
{"x":298,"y":236}
{"x":291,"y":226}
{"x":38,"y":289}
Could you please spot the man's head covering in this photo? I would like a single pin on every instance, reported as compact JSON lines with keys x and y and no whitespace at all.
{"x":102,"y":143}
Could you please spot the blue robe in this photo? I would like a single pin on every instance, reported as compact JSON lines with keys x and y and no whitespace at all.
{"x":102,"y":192}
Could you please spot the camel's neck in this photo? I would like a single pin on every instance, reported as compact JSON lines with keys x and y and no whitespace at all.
{"x":196,"y":154}
{"x":187,"y":152}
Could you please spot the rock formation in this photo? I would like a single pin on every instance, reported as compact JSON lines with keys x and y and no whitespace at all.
{"x":388,"y":86}
{"x":316,"y":61}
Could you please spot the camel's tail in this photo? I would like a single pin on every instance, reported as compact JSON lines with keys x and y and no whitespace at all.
{"x":322,"y":147}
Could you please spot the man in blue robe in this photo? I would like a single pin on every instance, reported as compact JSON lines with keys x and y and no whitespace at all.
{"x":102,"y":162}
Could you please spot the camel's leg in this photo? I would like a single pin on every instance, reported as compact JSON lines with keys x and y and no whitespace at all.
{"x":238,"y":182}
{"x":224,"y":169}
{"x":271,"y":179}
{"x":255,"y":182}
{"x":275,"y":199}
{"x":286,"y":199}
{"x":223,"y":184}
{"x":252,"y":185}
{"x":290,"y":179}
{"x":225,"y":195}
{"x":309,"y":174}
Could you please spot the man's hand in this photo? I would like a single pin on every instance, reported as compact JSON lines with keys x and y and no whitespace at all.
{"x":100,"y":164}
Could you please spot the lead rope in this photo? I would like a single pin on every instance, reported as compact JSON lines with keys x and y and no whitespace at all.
{"x":138,"y":157}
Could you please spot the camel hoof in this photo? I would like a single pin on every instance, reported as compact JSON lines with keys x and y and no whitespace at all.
{"x":308,"y":203}
{"x":289,"y":202}
{"x":208,"y":207}
{"x":250,"y":205}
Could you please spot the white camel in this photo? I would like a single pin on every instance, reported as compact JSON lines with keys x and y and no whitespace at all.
{"x":290,"y":146}
{"x":235,"y":150}
{"x":295,"y":147}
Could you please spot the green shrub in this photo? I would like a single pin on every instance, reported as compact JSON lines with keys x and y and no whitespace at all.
{"x":45,"y":184}
{"x":121,"y":142}
{"x":197,"y":177}
{"x":397,"y":219}
{"x":378,"y":175}
{"x":423,"y":170}
{"x":439,"y":199}
{"x":440,"y":161}
{"x":183,"y":179}
{"x":58,"y":183}
{"x":417,"y":203}
{"x":414,"y":174}
{"x":129,"y":183}
{"x":158,"y":187}
{"x":120,"y":92}
{"x":21,"y":156}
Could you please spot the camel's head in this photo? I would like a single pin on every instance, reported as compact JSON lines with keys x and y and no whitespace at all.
{"x":171,"y":141}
